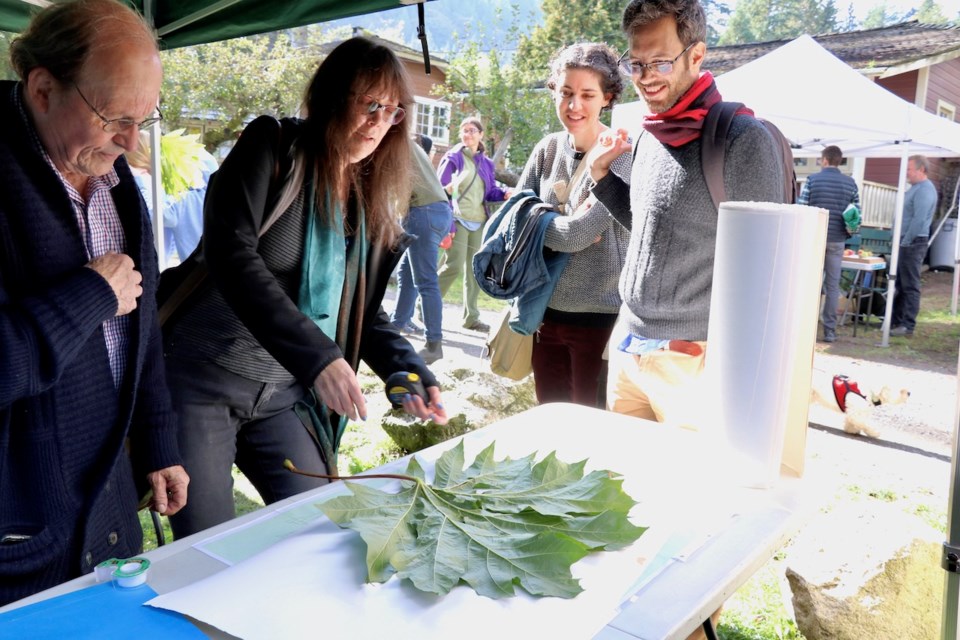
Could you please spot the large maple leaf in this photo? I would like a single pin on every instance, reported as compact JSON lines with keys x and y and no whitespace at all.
{"x":495,"y":524}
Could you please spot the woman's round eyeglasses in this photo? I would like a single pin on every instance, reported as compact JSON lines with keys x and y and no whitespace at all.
{"x":390,"y":113}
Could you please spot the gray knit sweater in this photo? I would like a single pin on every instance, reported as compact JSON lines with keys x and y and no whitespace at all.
{"x":668,"y":275}
{"x":588,"y":283}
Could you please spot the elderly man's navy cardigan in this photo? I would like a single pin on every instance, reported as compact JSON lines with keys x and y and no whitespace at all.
{"x":65,"y":477}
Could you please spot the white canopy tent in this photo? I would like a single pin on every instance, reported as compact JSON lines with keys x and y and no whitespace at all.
{"x":817,"y":100}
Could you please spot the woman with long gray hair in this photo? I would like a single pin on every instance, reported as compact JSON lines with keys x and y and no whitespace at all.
{"x":294,"y":308}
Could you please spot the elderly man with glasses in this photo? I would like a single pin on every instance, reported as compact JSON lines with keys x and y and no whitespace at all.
{"x":86,"y":425}
{"x":657,"y":349}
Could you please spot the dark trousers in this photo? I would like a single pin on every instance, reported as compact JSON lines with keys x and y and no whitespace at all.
{"x":906,"y":301}
{"x":568,"y":363}
{"x":225,"y":418}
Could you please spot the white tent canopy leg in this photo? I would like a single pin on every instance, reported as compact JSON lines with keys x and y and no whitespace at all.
{"x":951,"y":553}
{"x":157,"y":194}
{"x":956,"y":268}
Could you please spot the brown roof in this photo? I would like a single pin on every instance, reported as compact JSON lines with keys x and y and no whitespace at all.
{"x":899,"y":47}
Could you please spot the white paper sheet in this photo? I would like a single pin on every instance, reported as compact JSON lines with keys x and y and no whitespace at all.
{"x":313,"y":582}
{"x":763,"y":319}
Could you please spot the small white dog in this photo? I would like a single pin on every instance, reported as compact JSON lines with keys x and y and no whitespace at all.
{"x":857,"y":408}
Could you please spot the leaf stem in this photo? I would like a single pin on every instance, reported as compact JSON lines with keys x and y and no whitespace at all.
{"x":288,"y":464}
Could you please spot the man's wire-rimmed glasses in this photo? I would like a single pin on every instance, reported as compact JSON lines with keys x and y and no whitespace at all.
{"x":391,"y":113}
{"x":119,"y":125}
{"x":630,"y":67}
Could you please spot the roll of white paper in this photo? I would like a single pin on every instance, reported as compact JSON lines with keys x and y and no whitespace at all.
{"x":763,"y":323}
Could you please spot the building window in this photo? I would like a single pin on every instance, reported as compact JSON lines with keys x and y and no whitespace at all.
{"x":433,"y":119}
{"x":946,"y":110}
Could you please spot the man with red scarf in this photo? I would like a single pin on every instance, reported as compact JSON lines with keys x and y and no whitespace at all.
{"x":657,"y":349}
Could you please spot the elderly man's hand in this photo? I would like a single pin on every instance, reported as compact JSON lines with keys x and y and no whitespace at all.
{"x":117,"y":269}
{"x":169,"y":489}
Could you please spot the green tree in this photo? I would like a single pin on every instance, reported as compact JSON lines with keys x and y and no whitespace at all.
{"x":565,"y":23}
{"x":766,"y":20}
{"x":231,"y":81}
{"x":930,"y":12}
{"x":718,"y":16}
{"x":6,"y":69}
{"x":851,"y":22}
{"x":513,"y":111}
{"x":881,"y":16}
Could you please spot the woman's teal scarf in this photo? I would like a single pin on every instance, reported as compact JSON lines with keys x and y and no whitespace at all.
{"x":327,"y":261}
{"x":330,"y":270}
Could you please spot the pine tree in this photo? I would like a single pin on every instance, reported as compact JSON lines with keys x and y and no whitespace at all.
{"x":882,"y":16}
{"x":851,"y":22}
{"x":766,"y":20}
{"x":565,"y":23}
{"x":930,"y":12}
{"x":718,"y":15}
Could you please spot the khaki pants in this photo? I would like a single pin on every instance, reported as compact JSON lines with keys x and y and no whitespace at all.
{"x":663,"y":385}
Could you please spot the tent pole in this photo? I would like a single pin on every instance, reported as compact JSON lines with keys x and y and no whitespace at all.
{"x":895,"y":245}
{"x":951,"y":554}
{"x":956,"y":273}
{"x":956,"y":255}
{"x":158,"y":195}
{"x":149,"y":14}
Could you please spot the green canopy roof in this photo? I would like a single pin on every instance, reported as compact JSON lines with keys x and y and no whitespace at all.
{"x":186,"y":22}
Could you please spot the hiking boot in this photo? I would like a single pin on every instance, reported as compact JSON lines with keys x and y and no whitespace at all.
{"x":477,"y":325}
{"x":901,"y":331}
{"x":432,"y":352}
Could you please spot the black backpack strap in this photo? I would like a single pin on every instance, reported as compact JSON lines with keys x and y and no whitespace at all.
{"x":713,"y":147}
{"x":786,"y":153}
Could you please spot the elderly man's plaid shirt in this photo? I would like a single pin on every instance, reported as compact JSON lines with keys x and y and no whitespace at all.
{"x":102,"y":232}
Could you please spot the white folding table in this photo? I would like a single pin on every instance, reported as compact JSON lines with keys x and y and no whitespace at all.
{"x":676,"y":476}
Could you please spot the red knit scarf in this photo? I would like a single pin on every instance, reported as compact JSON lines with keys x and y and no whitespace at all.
{"x":682,"y":122}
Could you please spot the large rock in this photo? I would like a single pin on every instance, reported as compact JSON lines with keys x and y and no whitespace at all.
{"x":870,"y":573}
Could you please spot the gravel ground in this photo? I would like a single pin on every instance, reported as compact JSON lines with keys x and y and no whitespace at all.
{"x":925,"y":421}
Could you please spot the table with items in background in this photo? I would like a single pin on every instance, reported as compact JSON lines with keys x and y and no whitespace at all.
{"x":864,"y":284}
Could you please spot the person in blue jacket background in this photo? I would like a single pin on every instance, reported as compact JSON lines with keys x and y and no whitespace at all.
{"x":184,"y":215}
